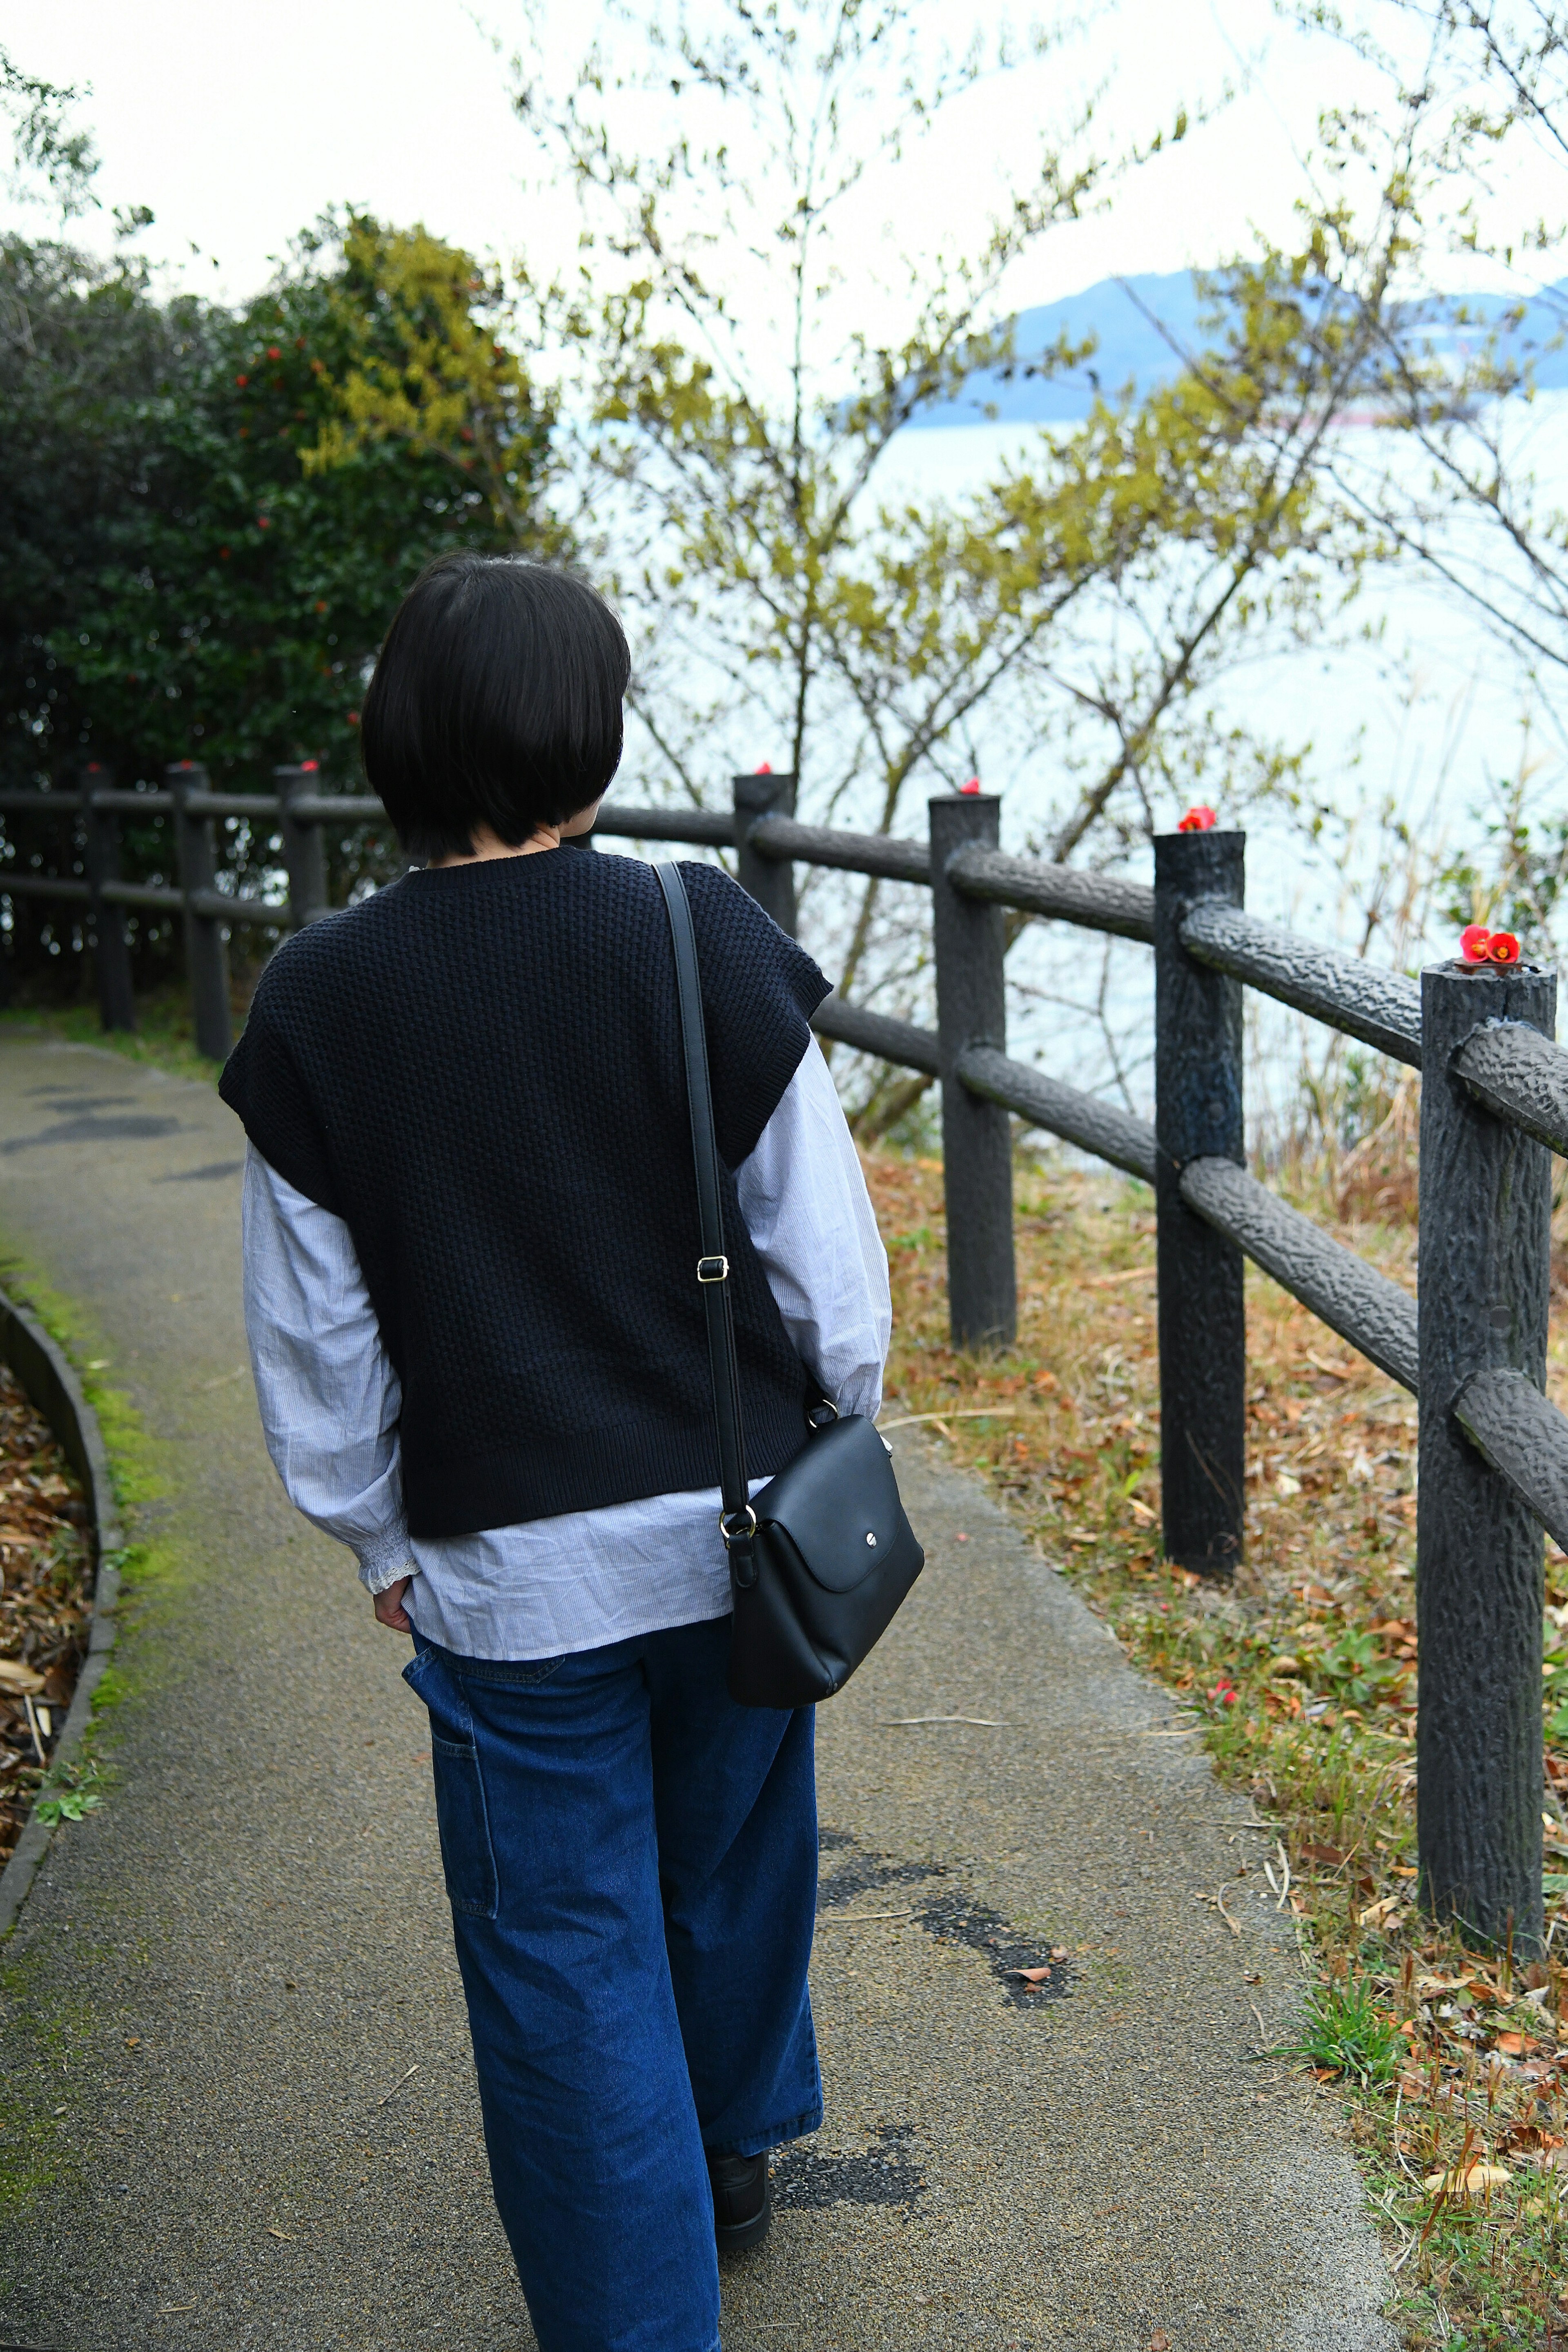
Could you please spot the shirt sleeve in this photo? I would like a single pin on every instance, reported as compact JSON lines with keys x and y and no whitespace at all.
{"x":329,"y":1399}
{"x":803,"y":1196}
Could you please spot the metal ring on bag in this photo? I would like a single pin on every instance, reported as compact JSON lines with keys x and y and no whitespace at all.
{"x":737,"y":1535}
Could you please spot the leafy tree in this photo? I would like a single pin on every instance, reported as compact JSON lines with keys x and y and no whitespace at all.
{"x":261,"y":542}
{"x":422,"y":373}
{"x":733,"y":415}
{"x":200,"y":537}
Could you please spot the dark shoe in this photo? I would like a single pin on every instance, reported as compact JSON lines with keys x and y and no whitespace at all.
{"x":742,"y":2200}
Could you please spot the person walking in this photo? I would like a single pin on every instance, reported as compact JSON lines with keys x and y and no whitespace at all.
{"x":480,"y":1356}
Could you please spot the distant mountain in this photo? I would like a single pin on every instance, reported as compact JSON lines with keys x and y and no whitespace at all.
{"x":1125,"y":316}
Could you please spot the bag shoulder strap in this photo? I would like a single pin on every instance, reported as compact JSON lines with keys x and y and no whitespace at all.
{"x":737,"y":1519}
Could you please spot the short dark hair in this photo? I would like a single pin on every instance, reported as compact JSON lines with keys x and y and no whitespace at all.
{"x":497,"y":701}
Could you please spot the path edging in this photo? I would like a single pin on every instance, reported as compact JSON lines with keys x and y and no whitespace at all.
{"x":51,"y":1384}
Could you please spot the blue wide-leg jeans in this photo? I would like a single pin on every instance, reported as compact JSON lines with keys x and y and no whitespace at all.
{"x":632,"y":1863}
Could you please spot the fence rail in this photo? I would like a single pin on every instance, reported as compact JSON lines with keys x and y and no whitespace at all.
{"x":1381,"y":1008}
{"x":1493,"y":1450}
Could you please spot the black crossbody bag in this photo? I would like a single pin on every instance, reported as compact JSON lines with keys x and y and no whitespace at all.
{"x":820,"y":1559}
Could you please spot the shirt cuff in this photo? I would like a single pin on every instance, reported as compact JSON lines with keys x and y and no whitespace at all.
{"x":383,"y":1558}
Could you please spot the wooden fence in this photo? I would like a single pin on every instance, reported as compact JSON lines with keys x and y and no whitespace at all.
{"x":1493,"y":1453}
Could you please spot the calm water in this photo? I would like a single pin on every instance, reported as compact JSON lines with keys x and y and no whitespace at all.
{"x":1421,"y":728}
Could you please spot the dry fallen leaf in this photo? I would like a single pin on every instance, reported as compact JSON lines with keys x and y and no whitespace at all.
{"x":1159,"y":2341}
{"x":1474,"y":2181}
{"x":1530,"y":2136}
{"x":1325,"y":1857}
{"x":1032,"y":1976}
{"x":15,"y":1677}
{"x":279,"y":2233}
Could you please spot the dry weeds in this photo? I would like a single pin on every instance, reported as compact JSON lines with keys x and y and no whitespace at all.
{"x":1302,"y":1679}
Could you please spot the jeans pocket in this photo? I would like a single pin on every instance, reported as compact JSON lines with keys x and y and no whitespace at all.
{"x":462,"y":1818}
{"x":467,"y":1857}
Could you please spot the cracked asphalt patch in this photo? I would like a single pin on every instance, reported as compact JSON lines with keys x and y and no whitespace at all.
{"x":236,"y":1977}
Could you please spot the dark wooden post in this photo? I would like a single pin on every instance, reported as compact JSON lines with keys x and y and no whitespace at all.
{"x":1202,"y":1312}
{"x":970,"y":941}
{"x":304,"y":851}
{"x":112,"y":950}
{"x":1485,"y":1273}
{"x":770,"y":880}
{"x":206,"y":960}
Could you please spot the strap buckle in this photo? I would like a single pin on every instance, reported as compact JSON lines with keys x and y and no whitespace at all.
{"x":737,"y":1533}
{"x":713,"y":1269}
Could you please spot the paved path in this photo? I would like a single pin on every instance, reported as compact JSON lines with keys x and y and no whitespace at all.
{"x":236,"y":2065}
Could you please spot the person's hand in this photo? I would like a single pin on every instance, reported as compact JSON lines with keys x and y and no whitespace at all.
{"x":388,"y":1607}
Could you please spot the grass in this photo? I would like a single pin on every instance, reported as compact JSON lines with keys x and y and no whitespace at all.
{"x":1347,"y":2031}
{"x":1300,"y":1678}
{"x":164,"y":1036}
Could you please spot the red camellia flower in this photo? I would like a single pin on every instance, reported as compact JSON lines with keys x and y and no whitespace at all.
{"x":1198,"y":819}
{"x":1478,"y":945}
{"x":242,"y":379}
{"x":273,"y":352}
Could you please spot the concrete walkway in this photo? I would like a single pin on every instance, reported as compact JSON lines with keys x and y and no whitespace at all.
{"x":236,"y":2066}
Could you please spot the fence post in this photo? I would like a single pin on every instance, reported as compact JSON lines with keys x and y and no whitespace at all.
{"x":111,"y":951}
{"x":1202,"y":1310}
{"x":770,"y":880}
{"x":1485,"y":1276}
{"x":304,"y":851}
{"x":206,"y":961}
{"x":970,"y":941}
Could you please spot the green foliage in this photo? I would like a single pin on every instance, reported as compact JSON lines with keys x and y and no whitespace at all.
{"x":206,"y":519}
{"x":72,"y":1797}
{"x":419,"y":374}
{"x":1343,"y":2030}
{"x":218,"y":571}
{"x":1354,"y":1670}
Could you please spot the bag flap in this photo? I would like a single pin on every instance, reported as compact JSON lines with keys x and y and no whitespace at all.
{"x":837,"y":1503}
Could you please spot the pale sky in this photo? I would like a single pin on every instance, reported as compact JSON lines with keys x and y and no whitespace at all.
{"x":237,"y":126}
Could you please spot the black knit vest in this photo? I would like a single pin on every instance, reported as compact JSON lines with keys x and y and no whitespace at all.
{"x":479,"y":1070}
